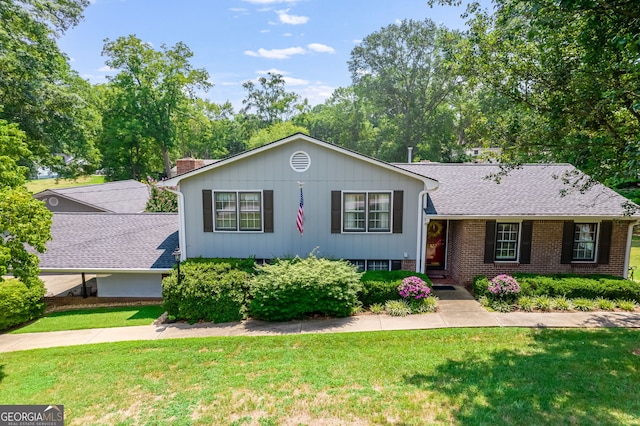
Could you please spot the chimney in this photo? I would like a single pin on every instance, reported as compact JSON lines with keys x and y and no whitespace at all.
{"x":184,"y":165}
{"x":409,"y":152}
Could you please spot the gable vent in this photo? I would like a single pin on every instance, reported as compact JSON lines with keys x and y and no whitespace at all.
{"x":300,"y":161}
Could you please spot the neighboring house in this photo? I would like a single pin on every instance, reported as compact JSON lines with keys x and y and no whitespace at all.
{"x":128,"y":253}
{"x":127,"y":196}
{"x":421,"y":216}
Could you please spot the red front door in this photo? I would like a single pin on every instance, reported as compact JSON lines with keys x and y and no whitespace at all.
{"x":436,"y":244}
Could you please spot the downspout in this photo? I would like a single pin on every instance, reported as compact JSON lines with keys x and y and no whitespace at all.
{"x":627,"y":256}
{"x":421,"y":232}
{"x":182,"y":231}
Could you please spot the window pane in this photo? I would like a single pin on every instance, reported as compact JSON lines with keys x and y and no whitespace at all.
{"x":584,"y":241}
{"x":379,"y":211}
{"x":354,"y":212}
{"x":507,"y":241}
{"x":377,"y":265}
{"x":226,"y":215}
{"x":250,"y":214}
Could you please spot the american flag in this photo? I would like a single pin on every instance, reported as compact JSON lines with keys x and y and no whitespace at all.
{"x":300,"y":218}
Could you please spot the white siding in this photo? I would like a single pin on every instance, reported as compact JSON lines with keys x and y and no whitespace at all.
{"x":130,"y":285}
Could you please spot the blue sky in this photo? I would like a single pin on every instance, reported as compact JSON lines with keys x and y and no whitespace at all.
{"x":307,"y":41}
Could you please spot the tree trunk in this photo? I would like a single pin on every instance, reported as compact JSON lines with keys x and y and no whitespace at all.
{"x":167,"y":164}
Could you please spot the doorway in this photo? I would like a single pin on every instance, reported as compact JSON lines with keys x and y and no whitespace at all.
{"x":436,"y":256}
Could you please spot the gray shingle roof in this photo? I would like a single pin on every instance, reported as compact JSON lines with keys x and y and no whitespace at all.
{"x":532,"y":190}
{"x":96,"y":241}
{"x":126,"y":196}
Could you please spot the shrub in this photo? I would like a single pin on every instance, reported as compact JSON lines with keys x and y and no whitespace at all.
{"x":480,"y":286}
{"x":573,"y":286}
{"x":503,"y":287}
{"x":627,"y":305}
{"x":484,"y":301}
{"x":543,"y":303}
{"x":397,"y":308}
{"x":500,"y":305}
{"x":413,"y":288}
{"x":376,"y":308}
{"x":526,"y":303}
{"x":561,"y":303}
{"x":20,"y":303}
{"x":424,"y":306}
{"x":605,"y":304}
{"x":293,"y":288}
{"x":381,"y":286}
{"x":209,"y":290}
{"x":584,"y":304}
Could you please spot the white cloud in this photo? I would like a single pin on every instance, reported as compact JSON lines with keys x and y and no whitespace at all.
{"x":106,"y":68}
{"x":238,"y":9}
{"x":287,"y":35}
{"x":265,"y":31}
{"x":285,"y":18}
{"x":321,"y":48}
{"x":316,"y":93}
{"x":276,"y":53}
{"x":291,"y":81}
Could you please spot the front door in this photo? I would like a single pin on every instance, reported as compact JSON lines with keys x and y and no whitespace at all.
{"x":436,"y":244}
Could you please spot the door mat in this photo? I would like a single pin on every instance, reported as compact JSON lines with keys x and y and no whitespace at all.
{"x":436,"y":276}
{"x":443,"y":287}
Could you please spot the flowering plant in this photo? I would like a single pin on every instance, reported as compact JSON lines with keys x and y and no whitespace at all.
{"x":503,"y":286}
{"x":413,"y":288}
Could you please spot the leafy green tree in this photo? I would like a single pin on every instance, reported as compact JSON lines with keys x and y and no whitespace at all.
{"x":154,"y":86}
{"x":569,"y":70}
{"x":274,"y":132}
{"x":38,"y":89}
{"x":403,"y":71}
{"x":24,"y":221}
{"x":270,"y":102}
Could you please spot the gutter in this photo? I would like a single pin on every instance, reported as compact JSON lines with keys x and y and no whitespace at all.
{"x":182,"y":228}
{"x":423,"y":222}
{"x":107,"y":270}
{"x":627,"y":257}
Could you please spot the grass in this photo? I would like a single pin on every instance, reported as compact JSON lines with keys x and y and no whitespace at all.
{"x":498,"y":376}
{"x":82,"y":319}
{"x":39,"y":185}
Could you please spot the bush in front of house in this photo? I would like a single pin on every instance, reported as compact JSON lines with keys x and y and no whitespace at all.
{"x":577,"y":286}
{"x":294,"y":288}
{"x":378,"y":287}
{"x":209,"y":290}
{"x":20,"y":303}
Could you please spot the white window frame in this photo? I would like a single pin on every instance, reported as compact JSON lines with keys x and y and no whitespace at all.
{"x":596,"y":230}
{"x":367,"y":213}
{"x":517,"y":242}
{"x":239,"y":211}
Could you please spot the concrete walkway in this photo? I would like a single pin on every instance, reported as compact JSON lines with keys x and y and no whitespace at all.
{"x":457,"y":308}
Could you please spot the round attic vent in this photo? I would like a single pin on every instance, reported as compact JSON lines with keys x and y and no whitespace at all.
{"x":53,"y":201}
{"x":300,"y":161}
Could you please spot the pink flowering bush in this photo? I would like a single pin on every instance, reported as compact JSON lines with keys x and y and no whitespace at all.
{"x":503,"y":287}
{"x":413,"y":288}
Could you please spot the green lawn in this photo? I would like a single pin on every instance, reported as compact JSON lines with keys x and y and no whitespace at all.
{"x":496,"y":376}
{"x":39,"y":185}
{"x":81,"y":319}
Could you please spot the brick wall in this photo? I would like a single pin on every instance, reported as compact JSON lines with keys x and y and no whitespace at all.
{"x":466,"y":252}
{"x":184,"y":165}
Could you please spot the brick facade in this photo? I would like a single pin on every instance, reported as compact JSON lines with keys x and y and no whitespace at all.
{"x":465,"y":252}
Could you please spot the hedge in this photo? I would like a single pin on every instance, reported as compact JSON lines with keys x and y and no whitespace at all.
{"x":382,"y":286}
{"x":20,"y":303}
{"x":569,"y":285}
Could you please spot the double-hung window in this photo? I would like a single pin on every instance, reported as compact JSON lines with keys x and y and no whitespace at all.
{"x":238,"y":211}
{"x":507,"y":236}
{"x":584,"y":242}
{"x":367,"y":211}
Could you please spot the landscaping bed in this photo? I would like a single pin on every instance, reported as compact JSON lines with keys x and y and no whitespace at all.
{"x":557,"y":293}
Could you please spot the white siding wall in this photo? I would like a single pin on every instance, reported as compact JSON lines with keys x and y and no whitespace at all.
{"x":130,"y":285}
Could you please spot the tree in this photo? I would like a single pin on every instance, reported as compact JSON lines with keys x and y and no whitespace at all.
{"x":273,"y":133}
{"x":24,"y":221}
{"x":402,"y":70}
{"x":155,"y":86}
{"x":569,"y":69}
{"x":270,"y":102}
{"x":38,"y":90}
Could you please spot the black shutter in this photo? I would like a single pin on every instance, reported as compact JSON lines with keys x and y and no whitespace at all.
{"x":398,"y":203}
{"x":568,"y":233}
{"x":336,"y":212}
{"x":207,"y":210}
{"x":526,"y":234}
{"x":490,"y":241}
{"x":267,"y":204}
{"x":604,"y":242}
